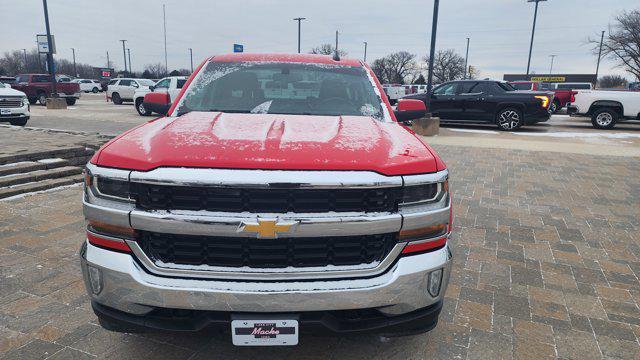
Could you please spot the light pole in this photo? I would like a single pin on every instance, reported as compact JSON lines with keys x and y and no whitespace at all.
{"x":599,"y":55}
{"x":124,"y":55}
{"x":50,"y":64}
{"x":551,"y":67}
{"x":191,"y":56}
{"x":365,"y":51}
{"x":25,"y":60}
{"x":108,"y":60}
{"x":432,"y":51}
{"x":164,"y":21}
{"x":299,"y":20}
{"x":533,"y":31}
{"x":466,"y":59}
{"x":129,"y":53}
{"x":75,"y":70}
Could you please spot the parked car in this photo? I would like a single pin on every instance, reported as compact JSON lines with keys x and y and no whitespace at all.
{"x":560,"y":96}
{"x":124,"y":89}
{"x":415,"y":89}
{"x":606,"y":108}
{"x":38,"y":88}
{"x":394,"y":92}
{"x":9,"y":80}
{"x":487,"y":101}
{"x":166,"y":91}
{"x":88,"y":85}
{"x":572,"y":86}
{"x":14,"y":106}
{"x":265,"y":212}
{"x":61,"y":78}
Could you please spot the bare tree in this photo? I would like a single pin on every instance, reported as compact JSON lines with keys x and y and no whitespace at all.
{"x":327,"y":49}
{"x":154,"y":71}
{"x":612,"y":81}
{"x":447,"y":66}
{"x":396,"y":68}
{"x":623,"y":42}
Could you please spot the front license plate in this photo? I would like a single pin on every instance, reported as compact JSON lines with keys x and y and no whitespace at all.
{"x":264,"y":332}
{"x":5,"y":111}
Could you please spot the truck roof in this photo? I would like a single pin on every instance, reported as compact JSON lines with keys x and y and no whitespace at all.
{"x":293,"y":58}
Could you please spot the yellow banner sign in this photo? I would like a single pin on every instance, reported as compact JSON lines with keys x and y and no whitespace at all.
{"x":548,"y":78}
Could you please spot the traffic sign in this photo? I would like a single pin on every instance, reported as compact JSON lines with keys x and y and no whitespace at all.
{"x":43,"y":44}
{"x":238,"y":48}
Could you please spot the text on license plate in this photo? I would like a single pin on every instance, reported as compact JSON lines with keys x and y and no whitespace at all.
{"x":264,"y":332}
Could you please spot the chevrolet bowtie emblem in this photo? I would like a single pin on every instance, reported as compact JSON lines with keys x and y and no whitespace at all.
{"x":267,"y":228}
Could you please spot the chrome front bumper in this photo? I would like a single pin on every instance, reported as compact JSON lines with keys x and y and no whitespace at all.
{"x":129,"y":288}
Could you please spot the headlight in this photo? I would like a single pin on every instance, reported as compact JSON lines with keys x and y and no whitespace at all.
{"x":25,"y":101}
{"x":105,"y":187}
{"x":424,"y":193}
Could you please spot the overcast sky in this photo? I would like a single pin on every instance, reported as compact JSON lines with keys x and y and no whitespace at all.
{"x":500,"y":30}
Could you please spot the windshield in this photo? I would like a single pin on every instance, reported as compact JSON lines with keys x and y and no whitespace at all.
{"x":146,"y":82}
{"x":282,"y":88}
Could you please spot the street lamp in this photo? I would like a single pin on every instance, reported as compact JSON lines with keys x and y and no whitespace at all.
{"x":466,"y":59}
{"x":299,"y":20}
{"x":533,"y":31}
{"x":191,"y":56}
{"x":129,"y":53}
{"x":75,"y":71}
{"x":25,"y":60}
{"x":124,"y":55}
{"x":432,"y":51}
{"x":551,"y":67}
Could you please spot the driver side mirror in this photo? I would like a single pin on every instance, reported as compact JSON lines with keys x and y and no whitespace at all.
{"x":152,"y":87}
{"x":410,"y":109}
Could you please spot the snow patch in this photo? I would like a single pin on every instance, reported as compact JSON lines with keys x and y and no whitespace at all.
{"x":474,"y":131}
{"x":20,"y":196}
{"x":51,"y":160}
{"x":590,"y":135}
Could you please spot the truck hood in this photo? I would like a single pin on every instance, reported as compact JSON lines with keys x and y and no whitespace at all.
{"x":269,"y":141}
{"x":7,"y":91}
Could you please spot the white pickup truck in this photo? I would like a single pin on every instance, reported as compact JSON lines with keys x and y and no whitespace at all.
{"x":606,"y":108}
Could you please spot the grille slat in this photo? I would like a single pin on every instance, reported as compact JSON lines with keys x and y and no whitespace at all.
{"x":170,"y":197}
{"x":266,"y":253}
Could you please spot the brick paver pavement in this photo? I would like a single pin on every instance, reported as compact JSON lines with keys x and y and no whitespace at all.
{"x":546,"y":265}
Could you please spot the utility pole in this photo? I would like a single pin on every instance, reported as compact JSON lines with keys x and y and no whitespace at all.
{"x":26,"y":65}
{"x":551,"y":67}
{"x":533,"y":31}
{"x":124,"y":55}
{"x":52,"y":66}
{"x":108,"y":62}
{"x":191,"y":56}
{"x":599,"y":55}
{"x":432,"y":51}
{"x":129,"y":53}
{"x":75,"y":70}
{"x":365,"y":51}
{"x":299,"y":20}
{"x":336,"y":56}
{"x":466,"y":59}
{"x":164,"y":21}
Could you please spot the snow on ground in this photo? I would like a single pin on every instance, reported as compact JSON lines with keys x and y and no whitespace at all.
{"x":591,"y":135}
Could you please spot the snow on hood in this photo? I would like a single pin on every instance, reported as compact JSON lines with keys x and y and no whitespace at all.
{"x":270,"y":141}
{"x":7,"y":91}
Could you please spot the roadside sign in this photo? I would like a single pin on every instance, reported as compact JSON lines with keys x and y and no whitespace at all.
{"x":238,"y":48}
{"x":106,"y":73}
{"x":549,"y":78}
{"x":43,"y":44}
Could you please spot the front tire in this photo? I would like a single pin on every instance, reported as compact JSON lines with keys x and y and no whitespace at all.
{"x":509,"y":119}
{"x":555,"y":106}
{"x":42,"y":99}
{"x":605,"y":118}
{"x":94,"y":90}
{"x":115,"y":97}
{"x":70,"y":101}
{"x":20,"y":122}
{"x":141,"y":109}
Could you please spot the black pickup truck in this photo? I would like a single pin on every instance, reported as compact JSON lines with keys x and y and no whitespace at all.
{"x":487,"y":101}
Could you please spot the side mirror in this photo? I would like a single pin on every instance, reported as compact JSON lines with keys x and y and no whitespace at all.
{"x":410,"y":109}
{"x":157,"y":102}
{"x":151,"y":88}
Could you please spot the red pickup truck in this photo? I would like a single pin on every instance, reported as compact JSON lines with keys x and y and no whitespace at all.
{"x":270,"y":211}
{"x":38,"y":88}
{"x":560,"y":100}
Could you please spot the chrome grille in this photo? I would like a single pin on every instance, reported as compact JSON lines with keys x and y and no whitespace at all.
{"x":6,"y":102}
